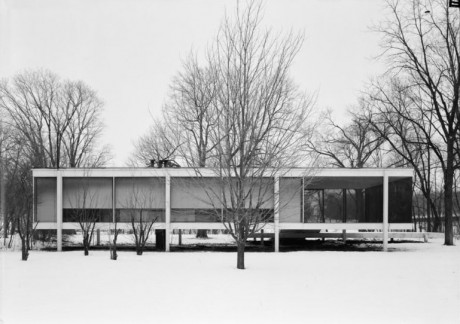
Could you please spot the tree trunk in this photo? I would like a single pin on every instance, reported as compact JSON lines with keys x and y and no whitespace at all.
{"x":240,"y":255}
{"x":428,"y":216}
{"x":113,"y":252}
{"x":25,"y":252}
{"x":3,"y":202}
{"x":12,"y":231}
{"x":86,"y":246}
{"x":113,"y":245}
{"x":202,"y":234}
{"x":448,"y":196}
{"x":436,"y":224}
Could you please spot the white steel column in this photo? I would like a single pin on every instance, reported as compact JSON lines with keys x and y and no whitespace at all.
{"x":59,"y":210}
{"x":277,"y":212}
{"x":385,"y":211}
{"x":113,"y":201}
{"x":167,"y":211}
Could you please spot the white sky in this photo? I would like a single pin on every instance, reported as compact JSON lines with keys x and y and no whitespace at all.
{"x":128,"y":51}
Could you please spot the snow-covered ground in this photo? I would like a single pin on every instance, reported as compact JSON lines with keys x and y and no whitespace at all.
{"x":415,"y":283}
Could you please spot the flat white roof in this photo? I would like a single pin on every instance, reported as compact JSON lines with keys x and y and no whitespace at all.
{"x":209,"y":172}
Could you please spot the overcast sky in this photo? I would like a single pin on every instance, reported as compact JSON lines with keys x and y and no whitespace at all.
{"x":128,"y":51}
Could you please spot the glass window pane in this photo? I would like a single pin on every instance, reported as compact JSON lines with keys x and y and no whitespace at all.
{"x":45,"y":199}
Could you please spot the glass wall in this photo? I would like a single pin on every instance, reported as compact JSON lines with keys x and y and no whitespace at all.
{"x":87,"y":199}
{"x":203,"y":199}
{"x":137,"y":215}
{"x":360,"y":205}
{"x":196,"y":200}
{"x":355,"y":206}
{"x":140,"y":199}
{"x":314,"y":206}
{"x":263,"y":215}
{"x":333,"y":205}
{"x":45,"y":199}
{"x":290,"y":202}
{"x":321,"y":200}
{"x":400,"y":201}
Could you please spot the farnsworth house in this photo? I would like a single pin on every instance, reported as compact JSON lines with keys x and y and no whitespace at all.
{"x":299,"y":199}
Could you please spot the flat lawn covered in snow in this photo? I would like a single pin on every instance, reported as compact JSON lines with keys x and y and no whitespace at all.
{"x":415,"y":283}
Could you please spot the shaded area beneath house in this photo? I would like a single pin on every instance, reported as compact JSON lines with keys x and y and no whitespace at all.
{"x":286,"y":245}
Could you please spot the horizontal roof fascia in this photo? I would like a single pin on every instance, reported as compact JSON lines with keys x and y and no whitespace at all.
{"x":209,"y":172}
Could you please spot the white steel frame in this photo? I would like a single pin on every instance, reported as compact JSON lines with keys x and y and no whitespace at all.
{"x":165,"y":173}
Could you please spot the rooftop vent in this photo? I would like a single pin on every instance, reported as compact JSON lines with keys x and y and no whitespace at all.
{"x":163,"y":164}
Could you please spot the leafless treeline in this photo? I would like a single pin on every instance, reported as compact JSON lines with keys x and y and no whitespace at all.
{"x":46,"y":122}
{"x":237,"y":111}
{"x":410,"y":116}
{"x":407,"y":117}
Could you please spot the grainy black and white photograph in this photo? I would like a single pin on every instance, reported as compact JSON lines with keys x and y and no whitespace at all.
{"x":229,"y":161}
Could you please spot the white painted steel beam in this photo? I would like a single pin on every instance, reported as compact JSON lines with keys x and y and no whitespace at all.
{"x":113,"y":200}
{"x":59,"y":210}
{"x":209,"y":172}
{"x":167,"y":210}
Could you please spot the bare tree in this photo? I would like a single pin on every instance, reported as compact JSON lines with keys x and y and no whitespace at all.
{"x":5,"y":147}
{"x":113,"y":240}
{"x":159,"y":143}
{"x":188,"y":120}
{"x":191,"y":109}
{"x":260,"y":121}
{"x":58,"y":119}
{"x":19,"y":194}
{"x":82,"y":200}
{"x":354,"y":145}
{"x":21,"y":208}
{"x":457,"y":201}
{"x":81,"y":137}
{"x":137,"y":209}
{"x":407,"y":140}
{"x":420,"y":41}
